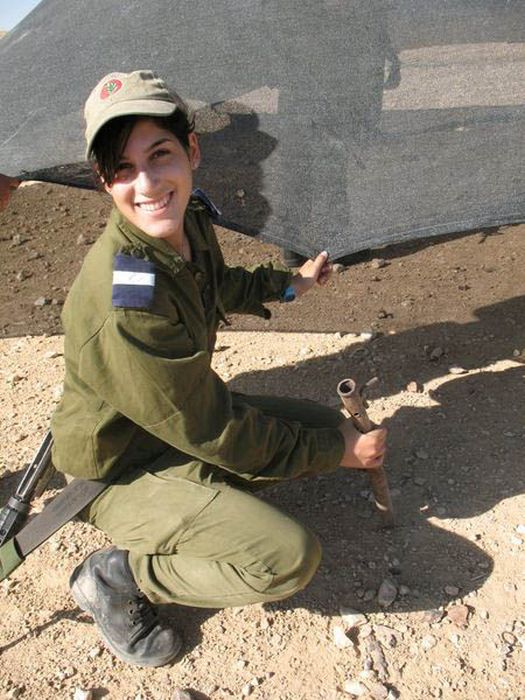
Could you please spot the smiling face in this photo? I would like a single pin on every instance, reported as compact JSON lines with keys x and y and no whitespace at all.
{"x":153,"y":181}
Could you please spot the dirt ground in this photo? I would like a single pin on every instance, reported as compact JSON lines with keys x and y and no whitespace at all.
{"x":441,"y":324}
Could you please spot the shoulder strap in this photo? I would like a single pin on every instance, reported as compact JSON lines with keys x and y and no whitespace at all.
{"x":210,"y":206}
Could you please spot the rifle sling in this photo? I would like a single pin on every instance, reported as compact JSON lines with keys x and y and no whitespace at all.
{"x":69,"y":502}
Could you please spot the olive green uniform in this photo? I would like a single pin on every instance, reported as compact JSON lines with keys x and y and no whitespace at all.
{"x":141,"y":403}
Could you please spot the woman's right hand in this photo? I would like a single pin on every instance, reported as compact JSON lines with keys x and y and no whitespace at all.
{"x":7,"y":186}
{"x":363,"y":450}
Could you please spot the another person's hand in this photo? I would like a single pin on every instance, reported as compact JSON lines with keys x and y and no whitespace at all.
{"x":312,"y":272}
{"x":363,"y":450}
{"x":7,"y":186}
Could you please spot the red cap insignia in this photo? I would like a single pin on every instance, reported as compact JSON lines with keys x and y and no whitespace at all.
{"x":110,"y":88}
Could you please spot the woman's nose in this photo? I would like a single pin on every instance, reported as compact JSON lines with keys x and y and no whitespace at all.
{"x":146,"y":180}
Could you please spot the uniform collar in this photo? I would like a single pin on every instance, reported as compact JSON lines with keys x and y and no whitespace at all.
{"x":195,"y":235}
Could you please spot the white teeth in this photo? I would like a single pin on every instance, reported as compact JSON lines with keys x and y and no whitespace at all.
{"x":154,"y":206}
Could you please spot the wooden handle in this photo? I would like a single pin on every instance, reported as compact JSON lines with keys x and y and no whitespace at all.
{"x":353,"y":402}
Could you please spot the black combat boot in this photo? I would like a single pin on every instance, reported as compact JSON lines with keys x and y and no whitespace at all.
{"x":103,"y":586}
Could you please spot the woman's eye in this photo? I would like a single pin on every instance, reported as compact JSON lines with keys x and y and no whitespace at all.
{"x":161,"y":152}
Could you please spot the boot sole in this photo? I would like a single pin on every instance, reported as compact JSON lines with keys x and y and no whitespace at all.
{"x":80,"y":592}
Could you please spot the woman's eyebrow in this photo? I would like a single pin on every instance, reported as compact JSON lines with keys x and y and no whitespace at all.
{"x":157,"y":143}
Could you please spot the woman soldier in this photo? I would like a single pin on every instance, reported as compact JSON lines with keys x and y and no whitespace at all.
{"x":143,"y":408}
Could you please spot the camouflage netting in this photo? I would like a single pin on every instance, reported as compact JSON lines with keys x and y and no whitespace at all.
{"x":337,"y":124}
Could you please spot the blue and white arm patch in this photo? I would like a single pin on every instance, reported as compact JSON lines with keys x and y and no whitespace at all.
{"x":133,"y":282}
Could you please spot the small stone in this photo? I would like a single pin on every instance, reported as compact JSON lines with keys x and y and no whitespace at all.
{"x":180,"y":694}
{"x":378,"y":263}
{"x":82,"y":694}
{"x":382,"y":313}
{"x":42,"y":301}
{"x":240,"y":664}
{"x":454,"y":638}
{"x":369,"y":595}
{"x":433,"y":616}
{"x":455,"y":369}
{"x":414,"y":387}
{"x":459,"y":615}
{"x":436,"y":353}
{"x":387,"y":593}
{"x":366,"y":335}
{"x":368,"y":664}
{"x":365,"y":631}
{"x":352,"y":618}
{"x":509,"y":638}
{"x":516,"y":541}
{"x":246,"y":690}
{"x":340,"y":639}
{"x":520,"y":529}
{"x":428,"y":642}
{"x":67,"y":672}
{"x":338,"y":268}
{"x":451,"y":590}
{"x":15,"y":692}
{"x":8,"y":585}
{"x":94,"y":652}
{"x":81,"y":239}
{"x":354,"y":688}
{"x":419,"y":481}
{"x":378,"y":691}
{"x":404,"y":590}
{"x":484,"y":614}
{"x":421,"y":454}
{"x":15,"y":378}
{"x":52,"y":354}
{"x":22,"y":275}
{"x":58,"y":391}
{"x":386,"y":635}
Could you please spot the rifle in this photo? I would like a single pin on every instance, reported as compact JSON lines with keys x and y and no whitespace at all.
{"x":34,"y":480}
{"x":354,"y":402}
{"x":18,"y":539}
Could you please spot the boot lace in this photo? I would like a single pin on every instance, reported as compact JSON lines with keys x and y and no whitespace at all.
{"x":143,"y":616}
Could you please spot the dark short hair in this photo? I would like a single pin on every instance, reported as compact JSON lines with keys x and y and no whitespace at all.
{"x":112,"y":138}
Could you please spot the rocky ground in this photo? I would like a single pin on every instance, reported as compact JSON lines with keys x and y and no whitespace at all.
{"x":433,"y":608}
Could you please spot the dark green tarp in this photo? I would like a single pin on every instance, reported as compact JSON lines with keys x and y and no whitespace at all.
{"x":337,"y":124}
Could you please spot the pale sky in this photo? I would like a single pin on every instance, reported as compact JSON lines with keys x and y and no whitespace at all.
{"x":12,"y":11}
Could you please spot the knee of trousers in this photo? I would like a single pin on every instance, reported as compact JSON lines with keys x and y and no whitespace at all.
{"x":300,"y":556}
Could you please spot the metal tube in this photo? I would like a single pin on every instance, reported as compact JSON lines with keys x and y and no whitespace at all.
{"x":353,"y":402}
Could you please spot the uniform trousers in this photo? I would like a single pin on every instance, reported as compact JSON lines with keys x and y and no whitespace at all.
{"x":198,"y":535}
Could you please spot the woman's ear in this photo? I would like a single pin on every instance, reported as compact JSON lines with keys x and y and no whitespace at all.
{"x":195,"y":151}
{"x":100,"y":182}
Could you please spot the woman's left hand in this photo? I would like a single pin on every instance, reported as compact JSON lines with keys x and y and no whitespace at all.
{"x":312,"y":272}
